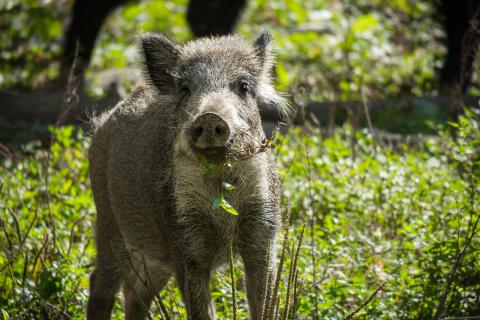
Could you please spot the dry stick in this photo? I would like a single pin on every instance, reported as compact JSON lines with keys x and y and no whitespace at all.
{"x":295,"y":267}
{"x":268,"y":283}
{"x":72,"y":295}
{"x":38,"y":255}
{"x":453,"y":272}
{"x":295,"y":295}
{"x":275,"y":300}
{"x":173,"y":302}
{"x":25,"y":267}
{"x":312,"y":235}
{"x":69,"y":101}
{"x":24,"y":238}
{"x":277,"y":311}
{"x":9,"y":241}
{"x":461,"y":318}
{"x":232,"y":279}
{"x":72,"y":85}
{"x":17,"y":225}
{"x":367,"y":112}
{"x":162,"y":307}
{"x":156,"y":297}
{"x":289,"y":285}
{"x":352,"y":118}
{"x":470,"y":48}
{"x":131,"y":284}
{"x":363,"y":305}
{"x":72,"y":232}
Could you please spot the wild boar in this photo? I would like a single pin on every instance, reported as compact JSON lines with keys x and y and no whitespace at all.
{"x":198,"y":106}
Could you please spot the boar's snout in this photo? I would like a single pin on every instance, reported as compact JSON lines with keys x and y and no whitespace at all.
{"x":209,"y":135}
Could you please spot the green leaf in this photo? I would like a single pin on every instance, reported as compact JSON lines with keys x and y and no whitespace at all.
{"x":5,"y":315}
{"x":453,"y":124}
{"x":217,"y":201}
{"x":220,"y":202}
{"x":229,"y":187}
{"x":212,"y":168}
{"x":363,"y":23}
{"x":228,"y":207}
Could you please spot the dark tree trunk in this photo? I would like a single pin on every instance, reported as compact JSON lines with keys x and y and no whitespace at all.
{"x":456,"y":18}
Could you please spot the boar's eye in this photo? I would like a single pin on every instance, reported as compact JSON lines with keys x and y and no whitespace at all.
{"x":244,"y":87}
{"x":184,"y":89}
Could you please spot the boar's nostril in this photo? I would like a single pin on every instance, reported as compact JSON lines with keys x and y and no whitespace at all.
{"x":219,"y":130}
{"x":198,"y":131}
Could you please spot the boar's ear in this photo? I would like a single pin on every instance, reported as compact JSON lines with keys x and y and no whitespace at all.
{"x":160,"y":57}
{"x":267,"y":96}
{"x":263,"y":47}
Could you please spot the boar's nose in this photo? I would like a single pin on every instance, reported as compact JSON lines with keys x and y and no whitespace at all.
{"x":209,"y":130}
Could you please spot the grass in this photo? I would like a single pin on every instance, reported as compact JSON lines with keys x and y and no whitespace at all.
{"x":379,"y":214}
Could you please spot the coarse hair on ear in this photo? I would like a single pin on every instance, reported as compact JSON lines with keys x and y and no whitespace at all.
{"x":263,"y":48}
{"x":268,"y":96}
{"x":160,"y":57}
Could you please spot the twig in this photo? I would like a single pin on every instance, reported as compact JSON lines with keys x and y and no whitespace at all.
{"x":131,"y":284}
{"x":367,"y":112}
{"x":363,"y":305}
{"x":461,"y":318}
{"x":232,"y":279}
{"x":69,"y":101}
{"x":72,"y":232}
{"x":267,"y":296}
{"x":312,"y":234}
{"x":295,"y":269}
{"x":453,"y":272}
{"x":289,"y":285}
{"x":38,"y":255}
{"x":275,"y":300}
{"x":296,"y":293}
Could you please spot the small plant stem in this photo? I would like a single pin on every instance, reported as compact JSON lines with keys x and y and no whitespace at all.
{"x":289,"y":285}
{"x":277,"y":311}
{"x":364,"y":304}
{"x":274,"y":300}
{"x":295,"y":266}
{"x":312,"y":236}
{"x":232,"y":279}
{"x":268,"y":281}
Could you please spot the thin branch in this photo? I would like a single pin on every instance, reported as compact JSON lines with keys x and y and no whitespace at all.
{"x":312,"y":234}
{"x":275,"y":299}
{"x":232,"y":279}
{"x":453,"y":272}
{"x":367,"y":112}
{"x":364,"y":304}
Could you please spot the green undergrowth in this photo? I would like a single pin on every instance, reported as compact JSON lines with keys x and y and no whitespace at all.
{"x":380,"y":213}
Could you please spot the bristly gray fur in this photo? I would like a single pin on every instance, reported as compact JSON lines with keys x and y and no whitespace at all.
{"x":154,"y":197}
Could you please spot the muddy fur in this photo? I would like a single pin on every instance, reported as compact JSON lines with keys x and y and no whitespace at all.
{"x":154,"y":197}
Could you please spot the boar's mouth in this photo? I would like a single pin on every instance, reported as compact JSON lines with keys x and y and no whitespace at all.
{"x":213,"y":154}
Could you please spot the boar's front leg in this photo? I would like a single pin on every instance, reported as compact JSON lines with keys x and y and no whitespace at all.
{"x":256,"y":239}
{"x":140,"y":289}
{"x":194,"y":283}
{"x":193,"y":271}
